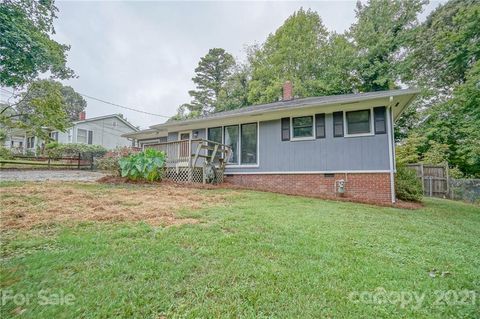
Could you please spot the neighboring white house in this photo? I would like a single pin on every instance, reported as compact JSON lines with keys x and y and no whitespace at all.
{"x":105,"y":130}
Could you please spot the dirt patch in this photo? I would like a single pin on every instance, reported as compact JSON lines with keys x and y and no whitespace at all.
{"x":46,"y":203}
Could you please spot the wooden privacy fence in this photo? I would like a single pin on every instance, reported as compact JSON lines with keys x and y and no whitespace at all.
{"x":23,"y":161}
{"x":434,"y":178}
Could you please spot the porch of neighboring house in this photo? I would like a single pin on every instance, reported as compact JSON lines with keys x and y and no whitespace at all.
{"x":194,"y":160}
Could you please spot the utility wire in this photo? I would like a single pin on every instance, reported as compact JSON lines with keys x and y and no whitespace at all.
{"x":110,"y":103}
{"x":122,"y":106}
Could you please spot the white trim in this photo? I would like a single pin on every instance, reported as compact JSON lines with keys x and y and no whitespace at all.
{"x":309,"y":172}
{"x":345,"y":123}
{"x":390,"y":152}
{"x":306,"y":138}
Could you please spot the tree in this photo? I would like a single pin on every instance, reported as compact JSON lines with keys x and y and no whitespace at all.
{"x":443,"y":60}
{"x":292,"y":53}
{"x":445,"y":47}
{"x":74,"y":102}
{"x":235,"y":92}
{"x":26,"y":49}
{"x":380,"y":35}
{"x":210,"y":78}
{"x":45,"y":109}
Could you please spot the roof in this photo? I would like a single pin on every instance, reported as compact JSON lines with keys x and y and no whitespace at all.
{"x":398,"y":98}
{"x":118,"y":116}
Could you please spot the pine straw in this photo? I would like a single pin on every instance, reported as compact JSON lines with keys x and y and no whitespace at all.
{"x":35,"y":204}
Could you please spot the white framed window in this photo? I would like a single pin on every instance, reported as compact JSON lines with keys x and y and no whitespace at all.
{"x":358,"y":122}
{"x":54,"y":136}
{"x":242,"y":138}
{"x":231,"y":138}
{"x":302,"y":127}
{"x":249,"y":144}
{"x":84,"y":136}
{"x":31,"y":142}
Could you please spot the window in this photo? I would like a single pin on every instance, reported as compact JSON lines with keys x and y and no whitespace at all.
{"x":30,"y":142}
{"x":320,"y":125}
{"x":302,"y":127}
{"x":337,"y":124}
{"x":231,"y":139}
{"x":215,"y":134}
{"x":84,"y":136}
{"x":20,"y":144}
{"x":248,"y":143}
{"x":379,"y":118}
{"x":54,"y":136}
{"x":286,"y":129}
{"x":358,"y":122}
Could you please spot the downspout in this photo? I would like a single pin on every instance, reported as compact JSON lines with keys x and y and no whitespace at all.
{"x":390,"y":150}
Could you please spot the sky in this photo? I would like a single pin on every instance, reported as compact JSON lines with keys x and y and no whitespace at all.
{"x":143,"y":54}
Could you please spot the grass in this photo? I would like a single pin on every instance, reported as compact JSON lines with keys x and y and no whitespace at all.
{"x":259,"y":255}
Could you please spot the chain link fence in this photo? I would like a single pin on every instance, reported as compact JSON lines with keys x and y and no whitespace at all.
{"x":465,"y":189}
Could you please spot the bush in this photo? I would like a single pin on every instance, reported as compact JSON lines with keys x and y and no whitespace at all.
{"x":5,"y":153}
{"x":86,"y":151}
{"x":109,"y":162}
{"x":146,"y":165}
{"x":407,"y":185}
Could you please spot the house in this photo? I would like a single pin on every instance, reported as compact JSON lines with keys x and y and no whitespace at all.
{"x":329,"y":146}
{"x":105,"y":130}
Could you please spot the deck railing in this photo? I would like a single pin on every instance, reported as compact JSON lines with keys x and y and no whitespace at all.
{"x":187,"y":158}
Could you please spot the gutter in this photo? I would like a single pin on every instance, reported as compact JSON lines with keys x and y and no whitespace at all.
{"x":390,"y":150}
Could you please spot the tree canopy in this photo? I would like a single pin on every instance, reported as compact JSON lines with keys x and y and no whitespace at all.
{"x":26,"y":48}
{"x":27,"y":52}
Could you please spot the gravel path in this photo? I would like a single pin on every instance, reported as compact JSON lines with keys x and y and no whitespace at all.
{"x":49,"y":175}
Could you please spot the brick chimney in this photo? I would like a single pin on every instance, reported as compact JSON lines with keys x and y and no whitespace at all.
{"x":287,"y":91}
{"x":81,"y":116}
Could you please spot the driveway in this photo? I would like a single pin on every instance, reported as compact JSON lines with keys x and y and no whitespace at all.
{"x":49,"y":175}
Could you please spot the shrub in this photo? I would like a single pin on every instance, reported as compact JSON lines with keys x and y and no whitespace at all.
{"x":5,"y":153}
{"x":86,"y":151}
{"x":146,"y":165}
{"x":110,"y":161}
{"x":407,"y":185}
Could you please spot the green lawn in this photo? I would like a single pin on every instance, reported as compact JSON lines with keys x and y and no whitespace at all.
{"x":259,"y":255}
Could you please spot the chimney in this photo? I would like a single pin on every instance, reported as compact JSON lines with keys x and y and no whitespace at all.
{"x":81,"y":116}
{"x":287,"y":91}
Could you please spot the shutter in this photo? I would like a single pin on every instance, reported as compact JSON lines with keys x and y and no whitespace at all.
{"x":320,"y":125}
{"x":90,"y":137}
{"x":286,"y":129}
{"x":379,"y":120}
{"x":337,"y":124}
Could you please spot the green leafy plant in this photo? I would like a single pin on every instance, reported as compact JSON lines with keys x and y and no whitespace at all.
{"x":5,"y":153}
{"x":110,"y":161}
{"x":407,"y":186}
{"x":146,"y":165}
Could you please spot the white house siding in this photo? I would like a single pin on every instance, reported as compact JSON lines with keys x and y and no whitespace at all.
{"x":105,"y":132}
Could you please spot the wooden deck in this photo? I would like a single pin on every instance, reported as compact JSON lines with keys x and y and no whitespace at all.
{"x":195,"y":160}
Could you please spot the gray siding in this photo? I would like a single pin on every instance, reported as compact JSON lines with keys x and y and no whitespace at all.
{"x":367,"y":153}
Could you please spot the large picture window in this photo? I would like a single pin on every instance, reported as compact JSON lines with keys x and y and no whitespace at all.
{"x":302,"y":127}
{"x":248,"y":141}
{"x":231,"y":139}
{"x":358,"y":122}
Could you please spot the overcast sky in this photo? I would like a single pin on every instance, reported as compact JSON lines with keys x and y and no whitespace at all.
{"x":143,"y":54}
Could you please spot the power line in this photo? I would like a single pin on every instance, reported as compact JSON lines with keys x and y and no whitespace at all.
{"x":122,"y":106}
{"x":110,"y":103}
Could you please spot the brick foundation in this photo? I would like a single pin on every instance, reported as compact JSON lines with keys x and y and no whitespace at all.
{"x":361,"y":187}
